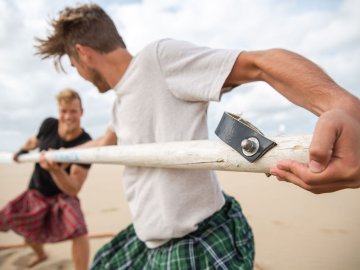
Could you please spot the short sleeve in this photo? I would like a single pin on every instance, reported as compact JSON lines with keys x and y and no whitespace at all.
{"x":194,"y":73}
{"x":46,"y":127}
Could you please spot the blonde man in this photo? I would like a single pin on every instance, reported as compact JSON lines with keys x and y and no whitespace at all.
{"x":49,"y":210}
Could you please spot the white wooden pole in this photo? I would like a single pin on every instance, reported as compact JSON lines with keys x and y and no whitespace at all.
{"x":6,"y":157}
{"x":201,"y":154}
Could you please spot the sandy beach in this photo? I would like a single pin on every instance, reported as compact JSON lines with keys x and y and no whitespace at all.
{"x":293,"y":229}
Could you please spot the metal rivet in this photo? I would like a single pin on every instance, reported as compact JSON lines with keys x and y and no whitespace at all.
{"x":250,"y":146}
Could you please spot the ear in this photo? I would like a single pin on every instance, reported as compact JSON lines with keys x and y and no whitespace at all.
{"x":83,"y":52}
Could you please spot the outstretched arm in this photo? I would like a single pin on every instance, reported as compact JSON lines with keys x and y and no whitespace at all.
{"x":109,"y":138}
{"x":29,"y":145}
{"x":295,"y":77}
{"x":335,"y":150}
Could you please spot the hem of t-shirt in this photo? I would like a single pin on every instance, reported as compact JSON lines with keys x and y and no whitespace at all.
{"x":224,"y":71}
{"x":156,"y":244}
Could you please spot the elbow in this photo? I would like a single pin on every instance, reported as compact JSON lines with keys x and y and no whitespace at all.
{"x":108,"y":141}
{"x":102,"y":141}
{"x":73,"y":192}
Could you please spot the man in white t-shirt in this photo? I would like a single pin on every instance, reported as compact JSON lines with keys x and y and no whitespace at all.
{"x":181,"y":218}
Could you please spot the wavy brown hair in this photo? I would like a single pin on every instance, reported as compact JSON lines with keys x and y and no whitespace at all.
{"x":86,"y":24}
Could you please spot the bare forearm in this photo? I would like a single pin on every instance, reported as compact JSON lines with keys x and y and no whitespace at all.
{"x":109,"y":138}
{"x":65,"y":182}
{"x":302,"y":82}
{"x":334,"y":153}
{"x":30,"y":144}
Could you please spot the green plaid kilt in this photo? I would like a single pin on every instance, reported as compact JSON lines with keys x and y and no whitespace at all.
{"x":222,"y":241}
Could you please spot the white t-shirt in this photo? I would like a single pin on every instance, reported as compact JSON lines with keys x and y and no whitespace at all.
{"x":162,"y":97}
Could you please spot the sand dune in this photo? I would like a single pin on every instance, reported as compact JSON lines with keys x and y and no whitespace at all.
{"x":293,"y":229}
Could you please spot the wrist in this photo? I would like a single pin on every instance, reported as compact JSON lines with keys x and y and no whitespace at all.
{"x":22,"y":151}
{"x":337,"y":98}
{"x":350,"y":104}
{"x":19,"y":153}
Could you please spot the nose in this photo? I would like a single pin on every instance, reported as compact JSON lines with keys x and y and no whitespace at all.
{"x":67,"y":115}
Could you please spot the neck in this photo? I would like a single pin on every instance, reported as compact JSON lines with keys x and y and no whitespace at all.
{"x":113,"y":65}
{"x":67,"y":135}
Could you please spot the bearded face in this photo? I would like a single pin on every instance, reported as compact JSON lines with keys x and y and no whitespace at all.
{"x":98,"y":80}
{"x":90,"y":74}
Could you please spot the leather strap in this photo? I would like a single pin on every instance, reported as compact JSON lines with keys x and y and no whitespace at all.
{"x":234,"y":131}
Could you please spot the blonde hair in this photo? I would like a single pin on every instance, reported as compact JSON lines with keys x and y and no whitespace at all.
{"x":67,"y":95}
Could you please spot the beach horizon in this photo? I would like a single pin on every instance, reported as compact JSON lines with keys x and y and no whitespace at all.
{"x":293,"y":229}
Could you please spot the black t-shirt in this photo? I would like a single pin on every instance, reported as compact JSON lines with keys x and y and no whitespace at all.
{"x":48,"y":137}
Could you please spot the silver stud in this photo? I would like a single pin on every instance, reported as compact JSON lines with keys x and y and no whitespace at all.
{"x":250,"y":146}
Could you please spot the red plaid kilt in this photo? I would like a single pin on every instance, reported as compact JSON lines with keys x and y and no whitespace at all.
{"x":44,"y":219}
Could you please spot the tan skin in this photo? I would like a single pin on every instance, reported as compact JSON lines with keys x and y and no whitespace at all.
{"x":334,"y":161}
{"x":69,"y":115}
{"x":335,"y":149}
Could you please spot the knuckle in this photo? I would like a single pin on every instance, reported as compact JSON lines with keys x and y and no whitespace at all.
{"x":317,"y":152}
{"x":314,"y":149}
{"x":327,"y":123}
{"x":308,"y":180}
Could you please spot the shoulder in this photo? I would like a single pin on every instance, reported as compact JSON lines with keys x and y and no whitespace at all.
{"x":166,"y":44}
{"x":165,"y":51}
{"x":173,"y":43}
{"x":48,"y":125}
{"x":50,"y":121}
{"x":171,"y":50}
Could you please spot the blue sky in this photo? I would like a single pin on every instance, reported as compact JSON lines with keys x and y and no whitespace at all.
{"x":327,"y":32}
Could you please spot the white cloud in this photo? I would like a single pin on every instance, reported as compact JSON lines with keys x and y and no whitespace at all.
{"x":329,"y":34}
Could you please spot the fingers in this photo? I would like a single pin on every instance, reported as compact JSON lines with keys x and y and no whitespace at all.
{"x":42,"y":161}
{"x":63,"y":166}
{"x":323,"y":187}
{"x":15,"y":157}
{"x":47,"y":164}
{"x":301,"y":175}
{"x":303,"y":171}
{"x":50,"y":164}
{"x":319,"y":189}
{"x":334,"y":156}
{"x":19,"y":153}
{"x":322,"y":144}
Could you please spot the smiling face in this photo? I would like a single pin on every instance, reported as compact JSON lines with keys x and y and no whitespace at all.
{"x":70,"y":113}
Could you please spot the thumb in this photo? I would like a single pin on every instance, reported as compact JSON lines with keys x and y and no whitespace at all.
{"x":322,"y":144}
